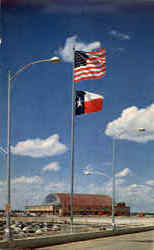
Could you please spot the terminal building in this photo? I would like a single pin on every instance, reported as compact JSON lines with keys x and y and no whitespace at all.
{"x":83,"y":204}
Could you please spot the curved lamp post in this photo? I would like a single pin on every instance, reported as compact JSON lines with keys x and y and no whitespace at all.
{"x":113,"y":184}
{"x":12,"y":76}
{"x":141,"y":129}
{"x":113,"y":177}
{"x":113,"y":172}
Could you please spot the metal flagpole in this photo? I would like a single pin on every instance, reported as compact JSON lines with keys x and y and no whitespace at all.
{"x":72,"y":146}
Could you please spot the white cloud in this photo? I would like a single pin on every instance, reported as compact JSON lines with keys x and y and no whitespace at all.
{"x":150,"y":182}
{"x":128,"y":124}
{"x":100,"y":173}
{"x":140,"y":197}
{"x":67,"y":52}
{"x":57,"y":186}
{"x":39,"y":147}
{"x":53,"y":166}
{"x":109,"y":184}
{"x":33,"y":190}
{"x":116,"y":33}
{"x":120,"y":181}
{"x":23,"y":189}
{"x":123,"y":173}
{"x":137,"y":196}
{"x":27,"y":180}
{"x":29,"y":190}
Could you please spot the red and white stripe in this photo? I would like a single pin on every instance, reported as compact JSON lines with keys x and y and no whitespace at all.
{"x":92,"y":102}
{"x":95,"y":67}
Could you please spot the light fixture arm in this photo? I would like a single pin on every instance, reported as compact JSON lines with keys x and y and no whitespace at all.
{"x":12,"y":76}
{"x":24,"y":67}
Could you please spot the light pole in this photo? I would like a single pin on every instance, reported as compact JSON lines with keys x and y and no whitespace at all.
{"x":113,"y":177}
{"x":113,"y":184}
{"x":12,"y":76}
{"x":90,"y":172}
{"x":141,"y":129}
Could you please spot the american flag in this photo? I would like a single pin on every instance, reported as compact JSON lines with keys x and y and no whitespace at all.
{"x":89,"y":65}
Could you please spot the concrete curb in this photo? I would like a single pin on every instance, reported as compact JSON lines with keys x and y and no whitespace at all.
{"x":37,"y":242}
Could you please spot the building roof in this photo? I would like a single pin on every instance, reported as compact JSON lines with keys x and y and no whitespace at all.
{"x":79,"y":200}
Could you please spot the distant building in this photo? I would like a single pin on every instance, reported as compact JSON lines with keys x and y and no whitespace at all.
{"x":83,"y":204}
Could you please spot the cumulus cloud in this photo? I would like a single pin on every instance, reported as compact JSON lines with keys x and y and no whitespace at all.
{"x":123,"y":173}
{"x":67,"y":51}
{"x":120,"y":181}
{"x":30,"y":190}
{"x":33,"y":190}
{"x":53,"y":166}
{"x":137,"y":196}
{"x":100,"y":173}
{"x":150,"y":182}
{"x":117,"y":34}
{"x":109,"y":184}
{"x":39,"y":147}
{"x":23,"y":189}
{"x":60,"y":186}
{"x":121,"y":178}
{"x":28,"y":180}
{"x":131,"y":120}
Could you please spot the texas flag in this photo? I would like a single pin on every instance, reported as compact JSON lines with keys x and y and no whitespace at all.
{"x":86,"y":102}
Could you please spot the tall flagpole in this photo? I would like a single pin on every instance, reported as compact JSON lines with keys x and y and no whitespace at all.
{"x":72,"y":145}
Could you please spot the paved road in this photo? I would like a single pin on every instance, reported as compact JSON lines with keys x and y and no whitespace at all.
{"x":138,"y":241}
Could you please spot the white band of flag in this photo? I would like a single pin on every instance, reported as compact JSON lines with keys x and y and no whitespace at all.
{"x":87,"y":102}
{"x":89,"y":65}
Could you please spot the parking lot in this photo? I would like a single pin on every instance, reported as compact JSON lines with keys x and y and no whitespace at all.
{"x":32,"y":226}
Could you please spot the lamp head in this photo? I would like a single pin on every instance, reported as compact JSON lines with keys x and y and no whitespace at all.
{"x":54,"y":59}
{"x":87,"y":172}
{"x":141,"y":129}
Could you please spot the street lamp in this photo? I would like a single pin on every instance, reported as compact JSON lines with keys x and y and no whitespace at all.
{"x":113,"y":184}
{"x":91,"y":172}
{"x":141,"y":129}
{"x":113,"y":173}
{"x":113,"y":178}
{"x":12,"y":76}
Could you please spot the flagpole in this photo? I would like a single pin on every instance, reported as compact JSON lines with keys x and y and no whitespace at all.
{"x":72,"y":146}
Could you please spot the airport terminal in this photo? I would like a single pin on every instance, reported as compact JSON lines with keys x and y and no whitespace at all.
{"x":83,"y":204}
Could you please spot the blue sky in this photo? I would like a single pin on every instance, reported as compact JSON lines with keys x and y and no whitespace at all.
{"x":42,"y":96}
